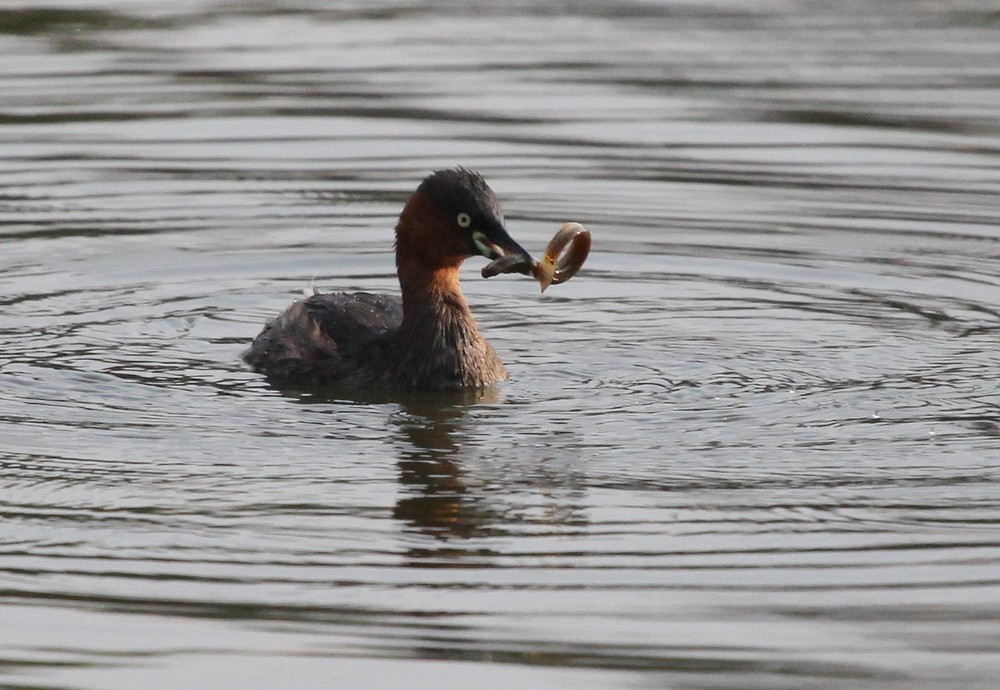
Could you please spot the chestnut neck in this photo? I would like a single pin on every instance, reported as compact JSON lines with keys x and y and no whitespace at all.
{"x":432,"y":295}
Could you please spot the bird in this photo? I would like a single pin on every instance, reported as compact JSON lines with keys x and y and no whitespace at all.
{"x":424,"y":339}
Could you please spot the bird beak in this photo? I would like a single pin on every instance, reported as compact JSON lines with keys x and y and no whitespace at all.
{"x":499,"y":245}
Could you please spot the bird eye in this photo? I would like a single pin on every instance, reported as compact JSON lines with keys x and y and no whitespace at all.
{"x":464,"y":220}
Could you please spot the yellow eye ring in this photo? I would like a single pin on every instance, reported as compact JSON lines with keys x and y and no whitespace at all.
{"x":464,"y":220}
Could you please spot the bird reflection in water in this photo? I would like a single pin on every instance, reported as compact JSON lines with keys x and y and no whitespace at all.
{"x":437,"y":500}
{"x":451,"y":491}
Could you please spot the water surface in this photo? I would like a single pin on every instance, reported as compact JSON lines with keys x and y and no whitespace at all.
{"x":752,"y":445}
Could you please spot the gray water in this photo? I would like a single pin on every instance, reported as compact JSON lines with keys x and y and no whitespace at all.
{"x":755,"y":443}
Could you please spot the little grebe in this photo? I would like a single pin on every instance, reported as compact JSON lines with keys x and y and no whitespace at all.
{"x":426,"y":340}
